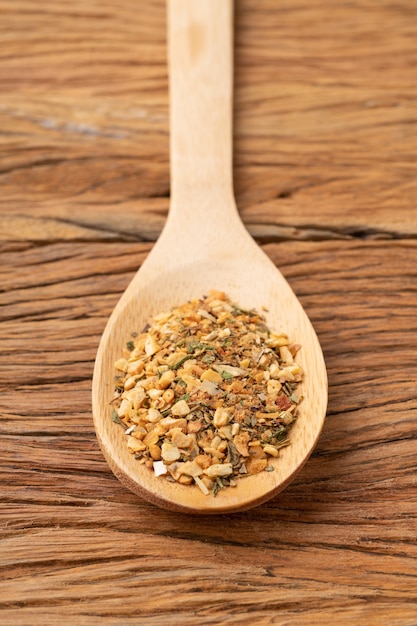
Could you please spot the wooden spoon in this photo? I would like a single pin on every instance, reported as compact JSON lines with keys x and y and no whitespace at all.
{"x":204,"y":246}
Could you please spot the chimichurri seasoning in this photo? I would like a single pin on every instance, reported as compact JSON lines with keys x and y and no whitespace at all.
{"x":207,"y":393}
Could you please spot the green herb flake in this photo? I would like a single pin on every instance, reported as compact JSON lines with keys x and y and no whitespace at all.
{"x":180,"y":362}
{"x":130,"y":346}
{"x":115,"y":418}
{"x":217,"y":486}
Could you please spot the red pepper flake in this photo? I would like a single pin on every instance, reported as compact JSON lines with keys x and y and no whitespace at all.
{"x":283,"y":402}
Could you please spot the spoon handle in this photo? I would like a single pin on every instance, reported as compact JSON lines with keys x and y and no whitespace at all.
{"x":200,"y":38}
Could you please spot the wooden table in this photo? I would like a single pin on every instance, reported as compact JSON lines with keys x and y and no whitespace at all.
{"x":325,"y":178}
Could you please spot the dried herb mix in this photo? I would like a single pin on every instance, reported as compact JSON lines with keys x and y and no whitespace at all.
{"x":207,"y":393}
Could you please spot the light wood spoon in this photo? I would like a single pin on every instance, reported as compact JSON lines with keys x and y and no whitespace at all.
{"x":204,"y":246}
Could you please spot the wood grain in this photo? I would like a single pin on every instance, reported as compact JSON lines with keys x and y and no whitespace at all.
{"x":342,"y":536}
{"x":325,"y":105}
{"x":325,"y":150}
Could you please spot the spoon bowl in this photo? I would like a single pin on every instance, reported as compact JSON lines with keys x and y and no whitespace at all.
{"x":205,"y":246}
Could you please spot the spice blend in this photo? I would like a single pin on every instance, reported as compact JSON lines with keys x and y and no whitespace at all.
{"x":207,"y":393}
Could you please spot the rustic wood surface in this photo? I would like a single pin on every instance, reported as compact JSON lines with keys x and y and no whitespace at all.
{"x":325,"y":179}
